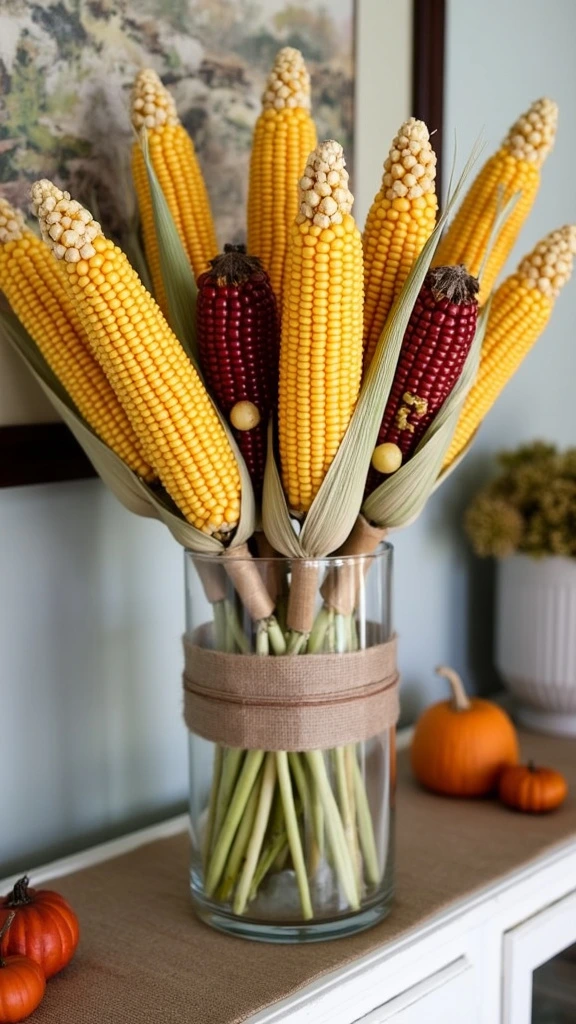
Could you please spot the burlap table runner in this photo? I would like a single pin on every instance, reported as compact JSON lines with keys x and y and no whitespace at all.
{"x":145,"y":959}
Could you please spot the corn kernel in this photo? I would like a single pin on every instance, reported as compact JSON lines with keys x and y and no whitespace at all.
{"x":387,"y":458}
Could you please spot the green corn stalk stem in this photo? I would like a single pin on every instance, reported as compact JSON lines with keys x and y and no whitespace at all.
{"x":262,"y":639}
{"x":225,"y":838}
{"x":317,"y":637}
{"x":345,"y":789}
{"x":213,"y":803}
{"x":293,"y":831}
{"x":265,"y":799}
{"x":238,"y":849}
{"x":365,"y":829}
{"x":231,"y":764}
{"x":223,"y":641}
{"x":269,"y":855}
{"x":237,"y":637}
{"x":335,"y":829}
{"x":276,"y":844}
{"x":276,"y":637}
{"x":296,"y":642}
{"x":312,"y":811}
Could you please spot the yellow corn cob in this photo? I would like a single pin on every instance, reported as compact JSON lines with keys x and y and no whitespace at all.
{"x":514,"y":168}
{"x":520,"y":311}
{"x":35,"y":287}
{"x":161,"y":392}
{"x":399,"y":223}
{"x":321,"y":346}
{"x":283,"y":137}
{"x":178,"y":172}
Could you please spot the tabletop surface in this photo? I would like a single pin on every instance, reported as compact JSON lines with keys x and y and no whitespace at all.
{"x":144,"y":957}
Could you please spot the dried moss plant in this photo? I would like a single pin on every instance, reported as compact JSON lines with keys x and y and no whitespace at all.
{"x":529,"y":507}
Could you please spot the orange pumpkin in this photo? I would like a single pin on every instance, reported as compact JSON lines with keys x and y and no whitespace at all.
{"x":531,"y":789}
{"x":22,"y":984}
{"x":461,"y":745}
{"x":45,"y":927}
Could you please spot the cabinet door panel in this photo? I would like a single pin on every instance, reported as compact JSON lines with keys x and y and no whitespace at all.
{"x":530,"y":945}
{"x":442,"y":998}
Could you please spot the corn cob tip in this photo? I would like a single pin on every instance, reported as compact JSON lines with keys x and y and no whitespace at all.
{"x":453,"y":283}
{"x":549,"y":266}
{"x":410,"y":168}
{"x":288,"y":84}
{"x":67,"y":227}
{"x":152,"y":105}
{"x":324,"y":194}
{"x":12,"y":224}
{"x":234,"y":265}
{"x":532,"y":136}
{"x":569,"y":233}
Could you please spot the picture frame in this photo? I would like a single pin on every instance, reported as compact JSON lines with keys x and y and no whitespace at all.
{"x":407,"y":40}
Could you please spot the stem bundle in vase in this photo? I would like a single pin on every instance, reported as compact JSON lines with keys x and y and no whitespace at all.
{"x":292,"y":817}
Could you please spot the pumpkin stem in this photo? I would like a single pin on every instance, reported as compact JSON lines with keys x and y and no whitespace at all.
{"x":4,"y":931}
{"x":19,"y":896}
{"x":459,"y":699}
{"x":531,"y":766}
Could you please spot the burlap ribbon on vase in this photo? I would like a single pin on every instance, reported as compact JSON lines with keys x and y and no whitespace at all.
{"x":300,"y":702}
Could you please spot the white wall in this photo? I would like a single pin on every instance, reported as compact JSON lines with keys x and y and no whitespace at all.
{"x":91,"y":598}
{"x":92,"y":609}
{"x":500,"y":57}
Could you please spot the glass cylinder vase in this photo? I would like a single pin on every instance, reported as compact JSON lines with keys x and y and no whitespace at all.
{"x":291,"y":702}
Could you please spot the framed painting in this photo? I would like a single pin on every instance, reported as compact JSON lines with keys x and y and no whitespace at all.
{"x":66,"y":70}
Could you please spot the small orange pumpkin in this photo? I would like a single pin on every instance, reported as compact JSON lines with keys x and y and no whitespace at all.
{"x":531,"y":789}
{"x":460,"y":746}
{"x":45,"y":927}
{"x":22,"y":984}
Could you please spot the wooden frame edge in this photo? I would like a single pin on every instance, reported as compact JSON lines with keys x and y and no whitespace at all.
{"x":41,"y":453}
{"x":428,"y":71}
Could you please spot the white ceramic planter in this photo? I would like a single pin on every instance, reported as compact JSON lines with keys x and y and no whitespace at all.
{"x":536,"y":639}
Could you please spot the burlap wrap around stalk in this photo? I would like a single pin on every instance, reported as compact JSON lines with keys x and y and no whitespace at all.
{"x":300,"y":702}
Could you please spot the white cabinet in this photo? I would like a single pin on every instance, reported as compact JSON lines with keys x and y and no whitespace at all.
{"x":436,"y":1000}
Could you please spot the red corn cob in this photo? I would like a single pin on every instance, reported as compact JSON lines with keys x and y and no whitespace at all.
{"x":238,"y":341}
{"x":435,"y":346}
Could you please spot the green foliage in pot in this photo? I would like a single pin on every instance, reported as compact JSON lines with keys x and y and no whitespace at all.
{"x":529,"y":507}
